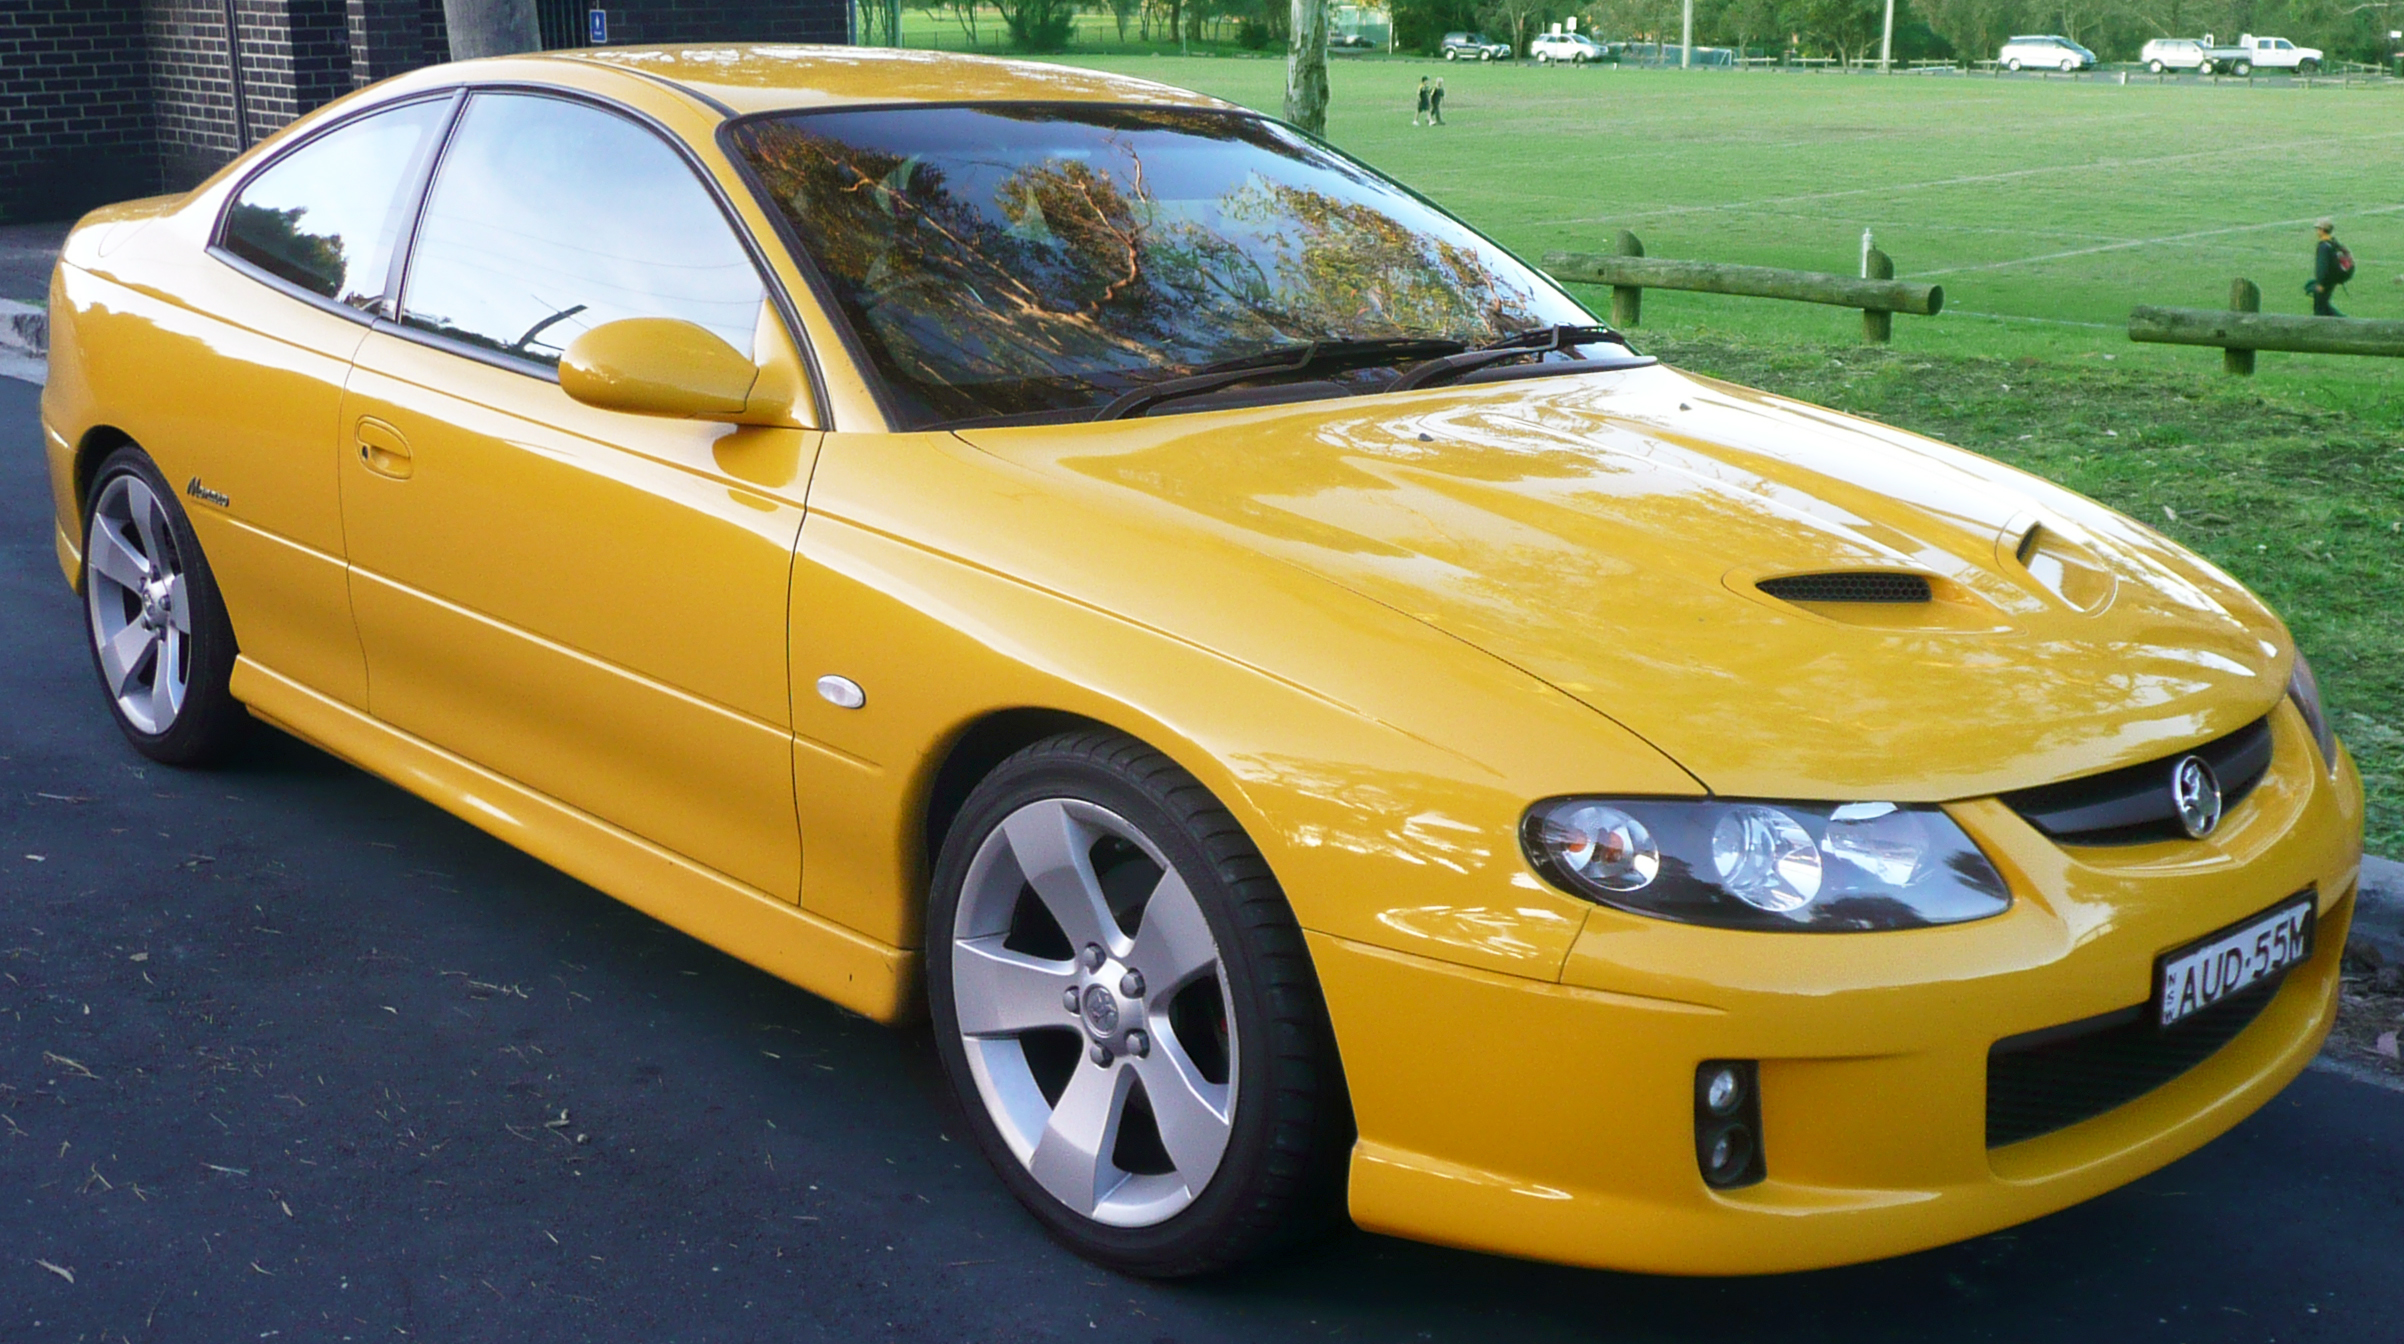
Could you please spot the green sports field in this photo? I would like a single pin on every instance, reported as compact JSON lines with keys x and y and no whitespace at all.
{"x":2046,"y":208}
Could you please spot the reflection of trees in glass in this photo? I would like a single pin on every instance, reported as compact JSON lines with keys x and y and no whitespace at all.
{"x":990,"y":287}
{"x":274,"y":241}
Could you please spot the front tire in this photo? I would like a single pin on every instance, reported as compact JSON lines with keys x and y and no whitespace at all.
{"x":156,"y":624}
{"x":2308,"y":68}
{"x":1189,"y":1112}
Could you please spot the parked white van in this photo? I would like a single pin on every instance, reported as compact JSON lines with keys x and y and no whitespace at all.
{"x":2045,"y":52}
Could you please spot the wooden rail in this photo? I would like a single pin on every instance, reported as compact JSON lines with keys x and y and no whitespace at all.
{"x":1630,"y":272}
{"x":2239,"y":331}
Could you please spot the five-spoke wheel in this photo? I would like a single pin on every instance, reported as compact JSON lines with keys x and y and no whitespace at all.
{"x":160,"y":638}
{"x":1124,"y":1005}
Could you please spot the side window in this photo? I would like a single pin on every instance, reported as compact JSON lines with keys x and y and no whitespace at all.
{"x":550,"y":217}
{"x":326,"y":216}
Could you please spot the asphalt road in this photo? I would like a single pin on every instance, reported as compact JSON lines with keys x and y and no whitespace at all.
{"x":287,"y":1054}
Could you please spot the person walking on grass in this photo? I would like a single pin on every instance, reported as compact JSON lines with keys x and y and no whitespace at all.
{"x":1420,"y":117}
{"x":2332,"y":266}
{"x":1435,"y":105}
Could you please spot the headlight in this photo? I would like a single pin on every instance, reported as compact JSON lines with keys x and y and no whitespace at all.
{"x":1796,"y":867}
{"x":2306,"y":692}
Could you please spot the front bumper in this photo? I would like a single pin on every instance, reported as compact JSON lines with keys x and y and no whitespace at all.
{"x":1555,"y":1121}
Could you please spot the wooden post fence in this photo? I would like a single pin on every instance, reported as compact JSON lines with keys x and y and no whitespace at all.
{"x":1627,"y":301}
{"x":1629,"y":273}
{"x":2245,"y":297}
{"x":2240,"y":330}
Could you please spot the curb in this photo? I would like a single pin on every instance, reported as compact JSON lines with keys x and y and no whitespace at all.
{"x":24,"y":341}
{"x":2378,"y":933}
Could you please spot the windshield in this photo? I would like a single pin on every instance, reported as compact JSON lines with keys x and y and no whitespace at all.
{"x":1014,"y":260}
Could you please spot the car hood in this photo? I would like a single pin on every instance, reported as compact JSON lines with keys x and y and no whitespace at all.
{"x":1606,"y":532}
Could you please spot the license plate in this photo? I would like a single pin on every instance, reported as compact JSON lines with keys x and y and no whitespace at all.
{"x":2210,"y":969}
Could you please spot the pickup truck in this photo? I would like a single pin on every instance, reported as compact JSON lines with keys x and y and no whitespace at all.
{"x":2259,"y":53}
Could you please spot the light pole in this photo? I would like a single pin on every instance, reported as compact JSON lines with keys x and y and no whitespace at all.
{"x":1886,"y":42}
{"x":1686,"y":39}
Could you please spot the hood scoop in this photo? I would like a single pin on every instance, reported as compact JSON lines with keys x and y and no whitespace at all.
{"x":1897,"y":601}
{"x":1849,"y":585}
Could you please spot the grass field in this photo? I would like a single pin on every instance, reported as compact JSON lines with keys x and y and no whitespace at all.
{"x":2046,"y":209}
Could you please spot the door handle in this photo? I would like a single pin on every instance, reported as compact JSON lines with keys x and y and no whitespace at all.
{"x":382,"y":450}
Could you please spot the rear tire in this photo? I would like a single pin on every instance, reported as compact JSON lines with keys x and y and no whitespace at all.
{"x":1164,"y":1129}
{"x":2012,"y":65}
{"x":2242,"y":69}
{"x":2153,"y":67}
{"x":156,"y":625}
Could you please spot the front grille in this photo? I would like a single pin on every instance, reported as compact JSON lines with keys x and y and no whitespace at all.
{"x":2133,"y":804}
{"x":2052,"y":1079}
{"x":1858,"y":585}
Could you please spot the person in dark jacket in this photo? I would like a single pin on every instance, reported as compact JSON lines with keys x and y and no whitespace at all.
{"x":1420,"y":117}
{"x":1435,"y":105}
{"x":2324,"y":270}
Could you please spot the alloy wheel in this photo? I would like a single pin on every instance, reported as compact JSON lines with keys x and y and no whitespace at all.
{"x":139,"y":597}
{"x":1094,"y":1011}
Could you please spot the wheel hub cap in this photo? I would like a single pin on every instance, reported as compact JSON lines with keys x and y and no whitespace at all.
{"x":1136,"y":1127}
{"x":1101,"y":1013}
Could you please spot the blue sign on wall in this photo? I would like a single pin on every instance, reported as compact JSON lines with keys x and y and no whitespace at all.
{"x":596,"y":24}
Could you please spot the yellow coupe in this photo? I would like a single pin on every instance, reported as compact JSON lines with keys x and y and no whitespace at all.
{"x":1319,"y":722}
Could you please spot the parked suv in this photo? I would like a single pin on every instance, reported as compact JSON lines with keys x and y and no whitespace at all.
{"x":2046,"y":52}
{"x":1575,"y":48}
{"x":2173,"y":53}
{"x":1474,"y":47}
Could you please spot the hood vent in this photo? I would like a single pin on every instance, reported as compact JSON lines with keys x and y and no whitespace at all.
{"x":1856,"y":585}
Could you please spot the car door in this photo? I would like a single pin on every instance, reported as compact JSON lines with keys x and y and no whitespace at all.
{"x":588,"y":602}
{"x":247,"y":372}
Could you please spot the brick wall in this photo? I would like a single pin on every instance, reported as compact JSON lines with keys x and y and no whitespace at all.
{"x":105,"y":99}
{"x":75,"y":121}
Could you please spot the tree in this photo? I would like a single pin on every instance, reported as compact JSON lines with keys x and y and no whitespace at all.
{"x":1517,"y":16}
{"x":1848,"y":27}
{"x":1040,"y":25}
{"x":1306,"y":67}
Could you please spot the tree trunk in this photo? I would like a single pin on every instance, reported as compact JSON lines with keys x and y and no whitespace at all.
{"x":490,"y":27}
{"x":1306,"y":67}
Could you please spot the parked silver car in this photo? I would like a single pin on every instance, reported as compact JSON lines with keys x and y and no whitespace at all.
{"x":2174,"y":53}
{"x":1575,"y":48}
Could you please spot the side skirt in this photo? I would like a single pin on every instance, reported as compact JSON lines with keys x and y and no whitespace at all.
{"x":822,"y":957}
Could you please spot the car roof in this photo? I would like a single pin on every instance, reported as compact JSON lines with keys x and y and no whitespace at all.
{"x":774,"y":77}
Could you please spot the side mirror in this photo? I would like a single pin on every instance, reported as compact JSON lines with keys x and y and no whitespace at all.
{"x":661,"y":366}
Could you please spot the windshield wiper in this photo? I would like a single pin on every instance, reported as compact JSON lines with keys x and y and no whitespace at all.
{"x":1536,"y":341}
{"x":1276,"y":363}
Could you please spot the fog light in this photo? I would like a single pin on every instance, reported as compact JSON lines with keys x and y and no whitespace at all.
{"x":1727,"y":1123}
{"x":1722,"y":1090}
{"x":1731,"y":1152}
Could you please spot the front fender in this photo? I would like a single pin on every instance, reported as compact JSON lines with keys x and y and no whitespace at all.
{"x":1381,"y":767}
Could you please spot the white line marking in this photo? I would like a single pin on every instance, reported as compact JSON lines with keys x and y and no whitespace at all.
{"x":2151,"y":242}
{"x":1975,"y":179}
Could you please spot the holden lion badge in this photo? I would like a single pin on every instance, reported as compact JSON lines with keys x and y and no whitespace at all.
{"x":2196,"y":793}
